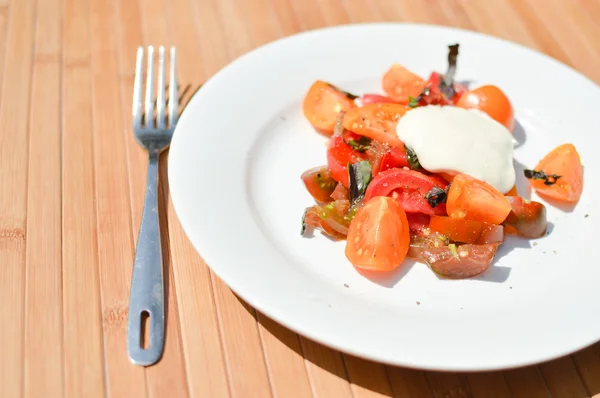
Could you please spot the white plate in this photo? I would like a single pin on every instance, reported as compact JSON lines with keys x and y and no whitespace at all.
{"x":235,"y":166}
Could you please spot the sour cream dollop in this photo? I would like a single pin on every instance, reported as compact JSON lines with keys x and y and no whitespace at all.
{"x":456,"y":140}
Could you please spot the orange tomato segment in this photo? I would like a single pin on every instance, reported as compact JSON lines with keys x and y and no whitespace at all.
{"x":376,"y":121}
{"x":472,"y":199}
{"x":322,"y":104}
{"x":467,"y":231}
{"x":491,"y":100}
{"x":399,"y":84}
{"x":512,"y":192}
{"x":378,"y":237}
{"x":563,"y":161}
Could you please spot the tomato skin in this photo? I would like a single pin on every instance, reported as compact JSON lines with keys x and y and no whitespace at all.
{"x":473,"y":199}
{"x":366,"y":99}
{"x":322,"y":104}
{"x":527,"y":218}
{"x":383,"y":158}
{"x":564,"y":161}
{"x":451,"y":261}
{"x":376,"y":121}
{"x":399,"y":84}
{"x":339,"y":154}
{"x":468,"y":260}
{"x":408,"y":187}
{"x":467,"y":231}
{"x":491,"y":100}
{"x":319,"y":183}
{"x":378,"y":237}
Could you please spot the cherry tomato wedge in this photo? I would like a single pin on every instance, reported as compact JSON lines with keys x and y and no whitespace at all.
{"x":491,"y":100}
{"x":449,"y":260}
{"x":564,"y":162}
{"x":339,"y":154}
{"x":467,"y":231}
{"x":376,"y":121}
{"x":527,"y":218}
{"x":473,"y":199}
{"x":366,"y":99}
{"x":399,"y":84}
{"x":319,"y":183}
{"x":408,"y":187}
{"x":378,"y":237}
{"x":322,"y":104}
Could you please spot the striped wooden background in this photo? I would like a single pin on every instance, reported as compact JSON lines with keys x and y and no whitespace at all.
{"x":71,"y":189}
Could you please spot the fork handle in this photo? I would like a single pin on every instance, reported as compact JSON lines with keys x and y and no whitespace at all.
{"x":147,"y":287}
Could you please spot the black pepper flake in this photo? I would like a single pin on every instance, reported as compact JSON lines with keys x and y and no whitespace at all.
{"x":510,"y":287}
{"x":346,"y":285}
{"x":418,"y":303}
{"x":586,"y":216}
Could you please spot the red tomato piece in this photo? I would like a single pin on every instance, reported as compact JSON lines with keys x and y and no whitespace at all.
{"x":366,"y":99}
{"x":408,"y":187}
{"x":339,"y":154}
{"x":436,"y":97}
{"x":418,"y":222}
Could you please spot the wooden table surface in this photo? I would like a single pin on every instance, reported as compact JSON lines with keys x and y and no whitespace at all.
{"x":71,"y":190}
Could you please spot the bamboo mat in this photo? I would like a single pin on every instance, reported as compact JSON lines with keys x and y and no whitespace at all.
{"x":72,"y":184}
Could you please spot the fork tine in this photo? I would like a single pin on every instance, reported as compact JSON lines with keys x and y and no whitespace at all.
{"x":173,"y":100}
{"x":136,"y":111}
{"x":149,"y":112}
{"x":160,"y":100}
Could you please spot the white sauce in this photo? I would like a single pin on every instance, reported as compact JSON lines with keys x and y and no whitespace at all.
{"x":456,"y":140}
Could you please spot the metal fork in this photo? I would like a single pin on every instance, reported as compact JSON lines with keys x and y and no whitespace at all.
{"x":153,"y":129}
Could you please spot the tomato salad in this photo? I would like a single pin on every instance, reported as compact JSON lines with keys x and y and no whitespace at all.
{"x":392,"y":195}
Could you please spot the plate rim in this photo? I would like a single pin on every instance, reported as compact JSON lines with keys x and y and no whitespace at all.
{"x":266,"y":308}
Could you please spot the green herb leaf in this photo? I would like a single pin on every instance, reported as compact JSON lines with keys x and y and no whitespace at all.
{"x":413,"y":102}
{"x":436,"y":196}
{"x":303,"y":230}
{"x":359,"y":178}
{"x":549,"y":179}
{"x":361,"y":145}
{"x":411,"y":156}
{"x":447,"y":82}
